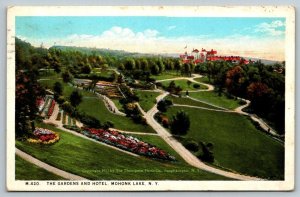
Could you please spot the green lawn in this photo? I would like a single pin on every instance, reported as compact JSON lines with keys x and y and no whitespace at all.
{"x":188,"y":101}
{"x":166,"y":75}
{"x":98,"y":162}
{"x":117,"y":103}
{"x":183,"y":84}
{"x":147,"y":99}
{"x":203,"y":79}
{"x":238,"y":145}
{"x":29,"y":171}
{"x":215,"y":99}
{"x":96,"y":108}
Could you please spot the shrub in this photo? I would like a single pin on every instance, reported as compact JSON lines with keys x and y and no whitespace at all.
{"x":242,"y":102}
{"x":165,"y":122}
{"x":191,"y":145}
{"x":207,"y":153}
{"x":158,"y":84}
{"x":196,"y":86}
{"x":158,"y":117}
{"x":61,"y":100}
{"x":163,"y":105}
{"x":108,"y":125}
{"x":66,"y":106}
{"x":90,"y":121}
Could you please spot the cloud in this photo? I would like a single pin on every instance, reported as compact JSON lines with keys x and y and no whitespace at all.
{"x":171,"y":27}
{"x":274,"y":28}
{"x":126,"y":33}
{"x":150,"y":41}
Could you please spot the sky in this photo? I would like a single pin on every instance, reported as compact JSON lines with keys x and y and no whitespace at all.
{"x":244,"y":36}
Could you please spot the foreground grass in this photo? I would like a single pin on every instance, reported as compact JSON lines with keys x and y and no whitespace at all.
{"x":215,"y":99}
{"x":146,"y":99}
{"x":188,"y":101}
{"x":184,"y":85}
{"x":98,"y":162}
{"x":238,"y":145}
{"x":96,"y":108}
{"x":29,"y":171}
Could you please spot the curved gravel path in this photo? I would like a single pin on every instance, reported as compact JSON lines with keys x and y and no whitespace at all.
{"x":183,"y":152}
{"x":180,"y":149}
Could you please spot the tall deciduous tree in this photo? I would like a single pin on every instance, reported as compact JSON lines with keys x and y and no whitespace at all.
{"x":26,"y":106}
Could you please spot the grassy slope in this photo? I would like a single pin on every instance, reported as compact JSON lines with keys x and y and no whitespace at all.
{"x":147,"y":99}
{"x":237,"y":143}
{"x":29,"y":171}
{"x":97,"y":162}
{"x":118,"y":104}
{"x":203,"y":79}
{"x":183,"y":84}
{"x":215,"y":99}
{"x":98,"y":110}
{"x":165,"y":75}
{"x":188,"y":101}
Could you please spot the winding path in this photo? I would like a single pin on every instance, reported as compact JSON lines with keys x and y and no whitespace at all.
{"x":238,"y":110}
{"x":181,"y":150}
{"x":192,"y":79}
{"x":177,"y":146}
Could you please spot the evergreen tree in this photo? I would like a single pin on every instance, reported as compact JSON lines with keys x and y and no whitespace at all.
{"x":180,"y":123}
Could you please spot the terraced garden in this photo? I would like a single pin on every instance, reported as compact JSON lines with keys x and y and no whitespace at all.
{"x":82,"y":157}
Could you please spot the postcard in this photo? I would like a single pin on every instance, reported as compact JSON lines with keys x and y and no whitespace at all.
{"x":150,"y":98}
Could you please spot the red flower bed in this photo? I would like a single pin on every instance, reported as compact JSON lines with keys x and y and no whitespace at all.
{"x":51,"y":108}
{"x":127,"y":142}
{"x":44,"y":136}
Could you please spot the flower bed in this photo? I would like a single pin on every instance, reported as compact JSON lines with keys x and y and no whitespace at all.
{"x":44,"y":136}
{"x":51,"y":108}
{"x":127,"y":143}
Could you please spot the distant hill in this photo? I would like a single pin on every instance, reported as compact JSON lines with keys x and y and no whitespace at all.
{"x":96,"y":51}
{"x":104,"y":52}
